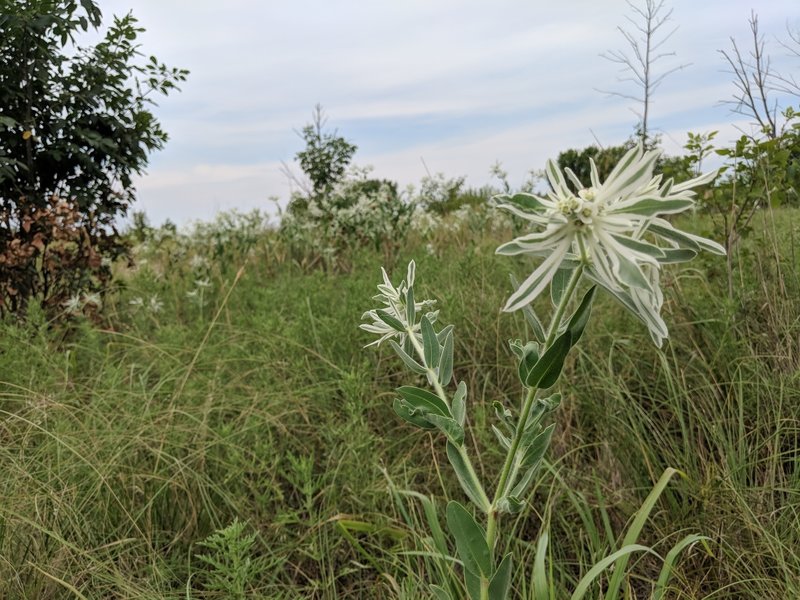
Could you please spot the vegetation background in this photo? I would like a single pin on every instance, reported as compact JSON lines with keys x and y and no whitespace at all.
{"x":195,"y":416}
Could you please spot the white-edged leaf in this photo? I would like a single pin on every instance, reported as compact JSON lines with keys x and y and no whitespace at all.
{"x":409,"y":362}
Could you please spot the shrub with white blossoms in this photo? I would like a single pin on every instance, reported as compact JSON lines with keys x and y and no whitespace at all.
{"x":609,"y":234}
{"x":356,"y":212}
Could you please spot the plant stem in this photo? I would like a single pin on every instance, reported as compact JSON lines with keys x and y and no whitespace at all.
{"x":437,"y":386}
{"x":491,"y":526}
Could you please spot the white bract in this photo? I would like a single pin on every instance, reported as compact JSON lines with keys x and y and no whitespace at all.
{"x":395,"y":306}
{"x":73,"y":304}
{"x":614,"y":229}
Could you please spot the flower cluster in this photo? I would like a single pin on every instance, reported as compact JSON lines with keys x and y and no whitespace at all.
{"x":613,"y":229}
{"x":357,"y":211}
{"x":391,"y":320}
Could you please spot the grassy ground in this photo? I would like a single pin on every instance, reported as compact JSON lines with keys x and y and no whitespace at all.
{"x":126,"y":443}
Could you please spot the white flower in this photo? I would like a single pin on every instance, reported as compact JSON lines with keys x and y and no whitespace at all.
{"x":155,"y":305}
{"x":73,"y":304}
{"x":198,"y":263}
{"x":395,"y":308}
{"x":202,"y":283}
{"x":612,"y":228}
{"x":137,"y":301}
{"x":92,"y":298}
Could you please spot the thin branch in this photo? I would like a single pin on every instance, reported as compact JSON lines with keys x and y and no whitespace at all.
{"x":642,"y":54}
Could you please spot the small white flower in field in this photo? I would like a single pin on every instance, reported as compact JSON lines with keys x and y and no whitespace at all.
{"x":155,"y":305}
{"x":192,"y":294}
{"x":137,"y":301}
{"x":92,"y":298}
{"x":198,"y":263}
{"x":395,"y":310}
{"x":202,"y":283}
{"x":73,"y":304}
{"x":613,"y":228}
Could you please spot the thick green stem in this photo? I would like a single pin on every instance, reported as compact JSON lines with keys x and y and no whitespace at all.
{"x":500,"y":491}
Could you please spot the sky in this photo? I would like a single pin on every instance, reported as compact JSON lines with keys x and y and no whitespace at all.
{"x":420,"y":86}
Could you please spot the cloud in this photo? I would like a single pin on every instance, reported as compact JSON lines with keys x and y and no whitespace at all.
{"x":461,"y":83}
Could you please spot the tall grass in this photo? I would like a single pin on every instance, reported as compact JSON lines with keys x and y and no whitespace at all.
{"x":125,"y":444}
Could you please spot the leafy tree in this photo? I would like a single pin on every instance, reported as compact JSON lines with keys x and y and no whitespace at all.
{"x":326,"y":155}
{"x":578,"y":160}
{"x":75,"y":127}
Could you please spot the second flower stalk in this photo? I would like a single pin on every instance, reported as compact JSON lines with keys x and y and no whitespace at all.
{"x":525,"y":439}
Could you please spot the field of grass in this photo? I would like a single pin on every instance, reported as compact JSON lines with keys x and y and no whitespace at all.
{"x":126,"y":441}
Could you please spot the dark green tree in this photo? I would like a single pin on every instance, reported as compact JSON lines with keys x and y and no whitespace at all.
{"x":604,"y":158}
{"x":326,"y":155}
{"x":76,"y":124}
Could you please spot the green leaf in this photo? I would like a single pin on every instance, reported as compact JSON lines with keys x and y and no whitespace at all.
{"x":470,"y":540}
{"x":500,"y":585}
{"x":523,"y":200}
{"x":547,"y":369}
{"x":559,"y":284}
{"x":440,"y":593}
{"x":467,"y":478}
{"x":430,"y":344}
{"x":669,"y":562}
{"x":510,"y":504}
{"x":473,"y":585}
{"x":530,"y":316}
{"x":412,"y":414}
{"x":639,"y":246}
{"x":632,"y":535}
{"x":411,"y":312}
{"x":442,"y":335}
{"x":534,"y":323}
{"x":597,"y":569}
{"x":460,"y":403}
{"x":446,"y":362}
{"x":535,"y":452}
{"x":410,"y":362}
{"x":540,"y":408}
{"x":530,"y":356}
{"x":652,"y":206}
{"x":424,"y":400}
{"x":429,"y":508}
{"x":448,"y":426}
{"x":577,"y":323}
{"x":505,"y":442}
{"x":391,"y":321}
{"x":539,"y":576}
{"x":631,"y":273}
{"x":504,"y":415}
{"x":677,"y":255}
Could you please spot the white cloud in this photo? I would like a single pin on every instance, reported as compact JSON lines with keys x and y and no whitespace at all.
{"x":506,"y":80}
